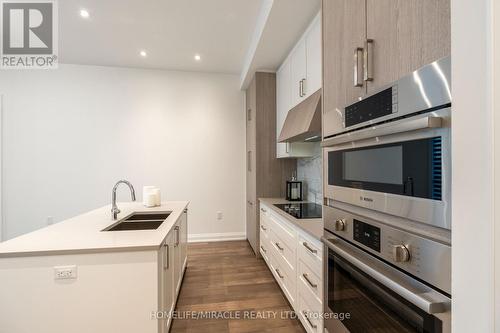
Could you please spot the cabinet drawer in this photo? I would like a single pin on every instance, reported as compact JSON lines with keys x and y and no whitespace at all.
{"x":283,"y":229}
{"x":264,"y":235}
{"x":264,"y":249}
{"x":264,"y":227}
{"x":311,"y":308}
{"x":283,"y":252}
{"x":311,"y":252}
{"x":309,"y":281}
{"x":285,"y":279}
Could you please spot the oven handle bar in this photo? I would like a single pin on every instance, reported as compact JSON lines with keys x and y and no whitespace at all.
{"x":399,"y":126}
{"x":428,"y":300}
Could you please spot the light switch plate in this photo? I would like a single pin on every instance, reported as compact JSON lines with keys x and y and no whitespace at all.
{"x":65,"y":272}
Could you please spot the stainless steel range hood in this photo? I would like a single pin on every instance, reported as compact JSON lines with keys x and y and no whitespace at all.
{"x":303,"y":122}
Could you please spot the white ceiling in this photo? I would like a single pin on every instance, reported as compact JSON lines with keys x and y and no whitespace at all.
{"x":232,"y":36}
{"x":171,"y":31}
{"x":279,"y":26}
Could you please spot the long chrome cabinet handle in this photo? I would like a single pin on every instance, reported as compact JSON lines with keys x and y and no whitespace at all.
{"x":306,"y":277}
{"x":279,"y":273}
{"x":368,"y":61}
{"x":428,"y":300}
{"x":249,"y":161}
{"x":308,"y":320}
{"x":358,"y":79}
{"x":177,"y":237}
{"x":167,"y":255}
{"x":278,"y":246}
{"x":309,"y":248}
{"x":301,"y":88}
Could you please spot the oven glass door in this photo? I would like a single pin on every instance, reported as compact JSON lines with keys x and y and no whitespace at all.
{"x":411,"y":168}
{"x":370,"y":305}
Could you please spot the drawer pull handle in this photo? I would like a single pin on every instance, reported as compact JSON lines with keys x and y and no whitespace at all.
{"x":279,"y":273}
{"x":278,"y":246}
{"x":263,"y":210}
{"x":263,"y":249}
{"x":309,"y":320}
{"x":263,"y":228}
{"x":167,"y":256}
{"x":309,"y":248}
{"x":306,"y":277}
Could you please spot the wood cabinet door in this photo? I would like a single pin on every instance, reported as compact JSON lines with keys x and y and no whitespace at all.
{"x":299,"y":73}
{"x":251,"y":118}
{"x":406,"y":34}
{"x":344,"y":31}
{"x":251,"y":175}
{"x":313,"y":55}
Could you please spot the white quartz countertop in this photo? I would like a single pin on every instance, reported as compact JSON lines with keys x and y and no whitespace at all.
{"x":313,"y":227}
{"x":83,"y":233}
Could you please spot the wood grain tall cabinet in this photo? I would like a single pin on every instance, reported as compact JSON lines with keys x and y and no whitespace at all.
{"x":265,"y":174}
{"x":388,"y":38}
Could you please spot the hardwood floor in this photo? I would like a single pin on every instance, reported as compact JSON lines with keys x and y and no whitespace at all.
{"x":225,"y":277}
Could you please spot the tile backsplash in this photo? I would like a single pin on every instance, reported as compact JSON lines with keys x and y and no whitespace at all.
{"x":309,"y":171}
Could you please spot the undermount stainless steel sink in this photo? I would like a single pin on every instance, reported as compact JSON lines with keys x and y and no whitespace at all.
{"x":140,"y":221}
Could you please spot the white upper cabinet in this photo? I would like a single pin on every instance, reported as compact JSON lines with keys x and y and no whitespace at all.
{"x":313,"y":56}
{"x":283,"y":105}
{"x":306,"y":64}
{"x":298,"y":77}
{"x":299,"y":72}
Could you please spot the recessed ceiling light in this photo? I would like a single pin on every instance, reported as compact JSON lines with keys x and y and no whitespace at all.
{"x":84,"y":13}
{"x":143,"y":53}
{"x":197,"y":57}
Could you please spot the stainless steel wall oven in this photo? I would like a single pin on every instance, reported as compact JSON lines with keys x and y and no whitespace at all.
{"x":382,"y":279}
{"x":387,"y":209}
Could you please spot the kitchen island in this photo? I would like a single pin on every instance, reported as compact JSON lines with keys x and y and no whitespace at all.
{"x":74,"y":276}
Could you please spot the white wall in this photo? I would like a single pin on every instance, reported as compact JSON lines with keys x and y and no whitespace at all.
{"x":473,"y":249}
{"x":496,"y":129}
{"x":69,"y":134}
{"x":1,"y":200}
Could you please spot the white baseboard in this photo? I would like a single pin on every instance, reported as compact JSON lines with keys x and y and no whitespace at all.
{"x":216,"y":237}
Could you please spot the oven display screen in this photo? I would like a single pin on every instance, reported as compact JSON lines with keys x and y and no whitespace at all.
{"x":379,"y":165}
{"x":367,"y":235}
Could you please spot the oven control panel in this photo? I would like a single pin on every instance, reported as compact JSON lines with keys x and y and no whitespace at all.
{"x":378,"y":105}
{"x":366,"y":234}
{"x":422,"y":257}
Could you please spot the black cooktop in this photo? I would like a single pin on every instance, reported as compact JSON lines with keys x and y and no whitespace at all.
{"x":306,"y":210}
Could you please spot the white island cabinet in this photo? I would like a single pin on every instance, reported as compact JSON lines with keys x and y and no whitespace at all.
{"x":294,"y":253}
{"x":75,"y":277}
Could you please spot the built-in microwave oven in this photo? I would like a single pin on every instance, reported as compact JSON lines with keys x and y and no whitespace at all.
{"x":396,"y":163}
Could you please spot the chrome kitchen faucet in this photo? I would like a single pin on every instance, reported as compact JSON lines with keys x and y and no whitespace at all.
{"x":114,"y":209}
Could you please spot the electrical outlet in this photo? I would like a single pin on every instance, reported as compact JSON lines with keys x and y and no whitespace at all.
{"x":65,"y":272}
{"x":219,"y":216}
